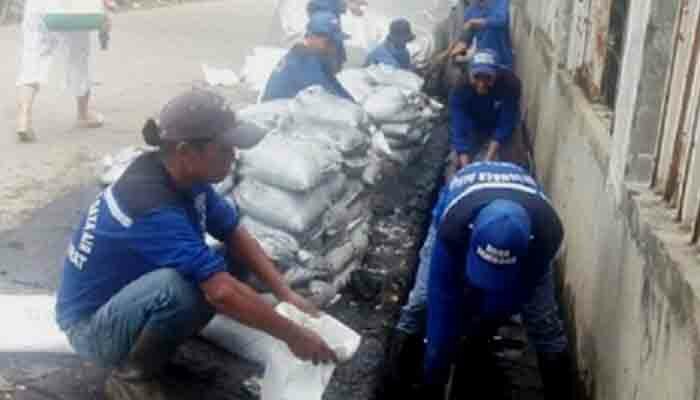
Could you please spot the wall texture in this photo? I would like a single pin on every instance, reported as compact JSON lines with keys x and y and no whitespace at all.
{"x":629,"y":277}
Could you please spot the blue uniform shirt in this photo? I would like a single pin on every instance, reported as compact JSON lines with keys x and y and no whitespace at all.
{"x":450,"y":305}
{"x":496,"y":34}
{"x":391,"y":54}
{"x":474,"y":119}
{"x":299,"y":69}
{"x":138,"y":225}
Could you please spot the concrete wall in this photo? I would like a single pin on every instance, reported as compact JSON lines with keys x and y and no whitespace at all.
{"x":629,"y":278}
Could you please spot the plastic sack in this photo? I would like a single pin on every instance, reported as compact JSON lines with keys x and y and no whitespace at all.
{"x":251,"y":344}
{"x":315,"y":104}
{"x":287,"y":377}
{"x":294,"y":212}
{"x":278,"y":245}
{"x":30,"y":325}
{"x":344,"y":139}
{"x":389,"y":76}
{"x":289,"y":164}
{"x":385,"y":103}
{"x":357,"y":82}
{"x":269,"y":115}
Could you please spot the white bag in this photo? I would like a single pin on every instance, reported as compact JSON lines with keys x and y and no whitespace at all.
{"x":357,"y":82}
{"x":401,"y":78}
{"x":385,"y":102}
{"x":269,"y":115}
{"x":344,"y":139}
{"x":280,"y":246}
{"x":315,"y":104}
{"x":287,"y":377}
{"x":293,"y":212}
{"x":289,"y":163}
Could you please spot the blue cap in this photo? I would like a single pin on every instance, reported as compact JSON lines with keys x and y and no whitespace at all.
{"x":325,"y":24}
{"x":484,"y":62}
{"x":400,"y":29}
{"x":499,"y":242}
{"x":336,"y":7}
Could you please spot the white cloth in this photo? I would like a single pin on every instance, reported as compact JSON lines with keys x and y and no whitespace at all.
{"x":40,"y":46}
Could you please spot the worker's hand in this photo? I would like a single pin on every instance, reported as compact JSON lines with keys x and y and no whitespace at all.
{"x":459,"y":49}
{"x":301,"y":303}
{"x":308,"y":346}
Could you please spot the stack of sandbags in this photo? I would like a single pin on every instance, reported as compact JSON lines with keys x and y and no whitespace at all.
{"x":301,"y":191}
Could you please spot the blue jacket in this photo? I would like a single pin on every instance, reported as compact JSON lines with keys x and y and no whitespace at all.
{"x":474,"y":119}
{"x":453,"y":305}
{"x":140,"y":224}
{"x":496,"y":34}
{"x":389,"y":53}
{"x":298,"y":70}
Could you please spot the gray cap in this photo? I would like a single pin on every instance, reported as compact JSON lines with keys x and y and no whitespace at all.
{"x":202,"y":115}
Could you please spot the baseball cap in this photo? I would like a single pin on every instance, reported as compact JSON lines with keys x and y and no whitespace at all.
{"x":400,"y":29}
{"x":200,"y":114}
{"x":333,"y":6}
{"x":499,"y":242}
{"x":325,"y":24}
{"x":484,"y":62}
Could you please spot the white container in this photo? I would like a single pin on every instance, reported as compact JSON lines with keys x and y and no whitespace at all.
{"x":289,"y":378}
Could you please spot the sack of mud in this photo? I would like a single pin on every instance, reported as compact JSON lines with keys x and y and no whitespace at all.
{"x":280,"y":246}
{"x":385,"y":75}
{"x":315,"y":104}
{"x":294,"y":212}
{"x":342,"y":138}
{"x":357,"y":82}
{"x":269,"y":115}
{"x":288,"y":163}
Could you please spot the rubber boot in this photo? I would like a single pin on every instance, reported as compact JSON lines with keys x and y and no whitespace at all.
{"x":137,"y":379}
{"x":557,"y":376}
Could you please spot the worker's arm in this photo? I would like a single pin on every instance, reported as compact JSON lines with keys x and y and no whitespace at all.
{"x":244,"y":248}
{"x":461,"y":124}
{"x":238,"y":301}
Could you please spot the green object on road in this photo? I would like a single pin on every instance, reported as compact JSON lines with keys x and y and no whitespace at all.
{"x":74,"y":21}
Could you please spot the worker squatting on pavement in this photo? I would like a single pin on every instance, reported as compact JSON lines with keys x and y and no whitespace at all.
{"x":487,"y":26}
{"x":393,"y":51}
{"x":484,"y":110}
{"x":309,"y":63}
{"x":488,"y":255}
{"x":139,"y":279}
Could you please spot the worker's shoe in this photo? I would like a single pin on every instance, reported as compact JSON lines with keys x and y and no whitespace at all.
{"x":137,"y":378}
{"x":557,"y":375}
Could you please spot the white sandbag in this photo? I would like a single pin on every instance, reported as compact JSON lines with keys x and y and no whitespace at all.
{"x":280,"y":246}
{"x":344,"y":139}
{"x":415,"y":137}
{"x":269,"y":115}
{"x":227,"y":333}
{"x":301,"y":275}
{"x":355,"y":166}
{"x":287,"y":377}
{"x":357,"y":82}
{"x":396,"y":77}
{"x":30,"y":325}
{"x":397,"y":129}
{"x":315,"y":104}
{"x":294,"y":212}
{"x":390,"y":104}
{"x":258,"y":67}
{"x":289,"y":163}
{"x":354,"y":249}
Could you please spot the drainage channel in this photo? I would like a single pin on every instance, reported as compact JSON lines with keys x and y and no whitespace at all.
{"x":370,"y":305}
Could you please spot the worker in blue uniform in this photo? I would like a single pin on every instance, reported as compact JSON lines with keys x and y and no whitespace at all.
{"x":393,"y":51}
{"x":487,"y":26}
{"x":484,"y":110}
{"x":489,"y":255}
{"x":309,"y":63}
{"x":139,"y":280}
